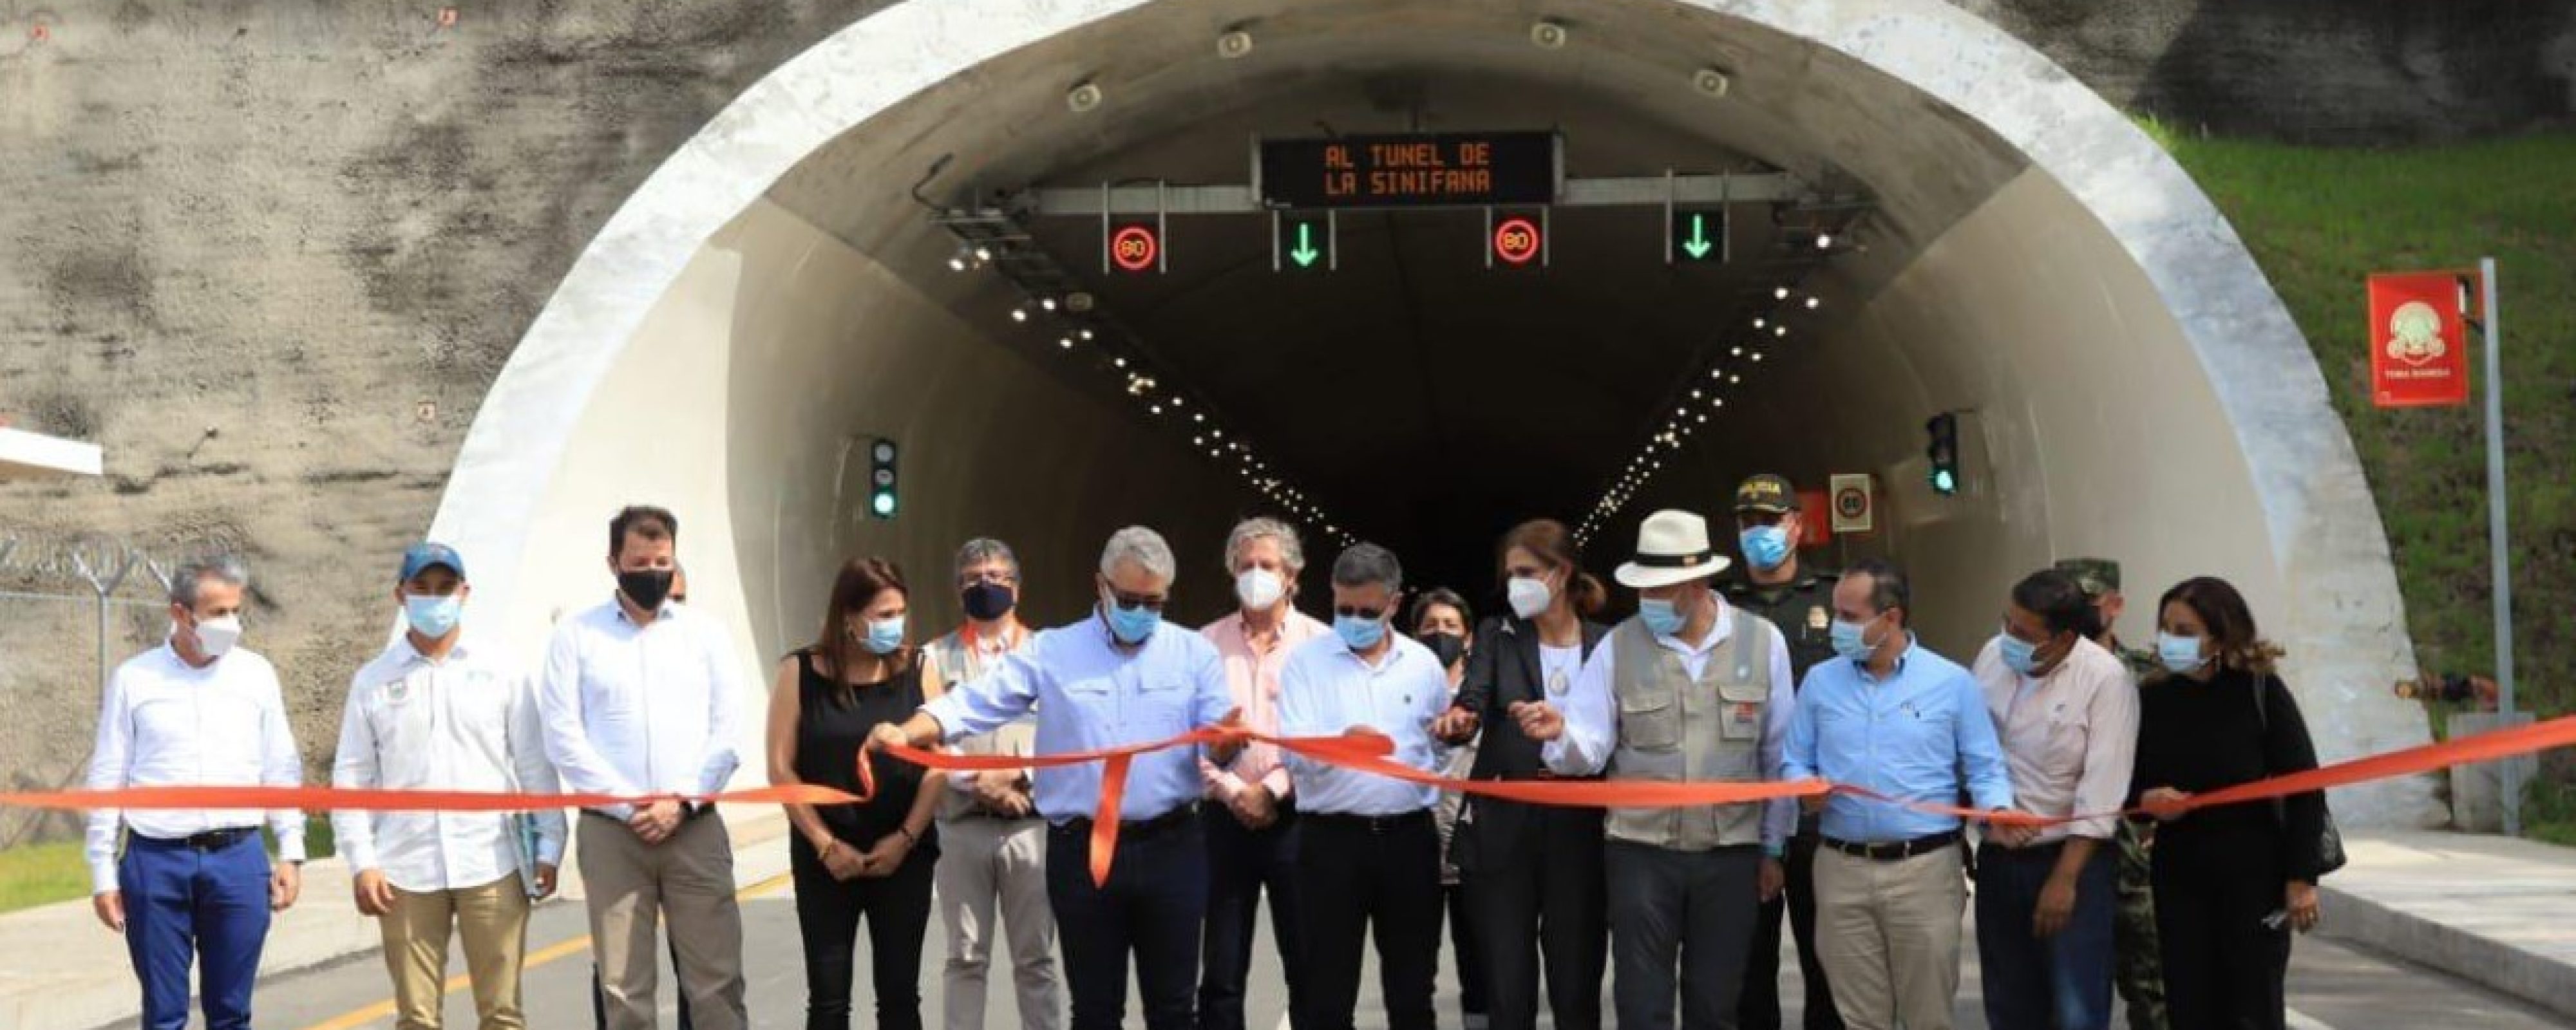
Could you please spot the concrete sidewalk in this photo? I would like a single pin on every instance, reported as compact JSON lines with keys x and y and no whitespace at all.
{"x":2489,"y":910}
{"x":61,"y":970}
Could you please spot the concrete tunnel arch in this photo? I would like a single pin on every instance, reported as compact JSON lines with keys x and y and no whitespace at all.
{"x":727,"y":336}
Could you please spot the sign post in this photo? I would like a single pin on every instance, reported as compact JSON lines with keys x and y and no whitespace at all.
{"x":2502,"y":560}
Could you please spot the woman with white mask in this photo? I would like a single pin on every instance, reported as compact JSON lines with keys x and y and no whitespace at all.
{"x":1533,"y":875}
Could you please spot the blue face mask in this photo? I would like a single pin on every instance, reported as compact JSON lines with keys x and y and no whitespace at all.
{"x":433,"y":617}
{"x":2180,"y":655}
{"x":1357,"y":633}
{"x":885,"y":636}
{"x":2021,"y":656}
{"x":1660,"y":616}
{"x":1767,"y":547}
{"x":1130,"y":625}
{"x":1849,"y":640}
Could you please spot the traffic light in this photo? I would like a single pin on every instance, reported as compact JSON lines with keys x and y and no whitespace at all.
{"x":881,"y":500}
{"x":1943,"y":452}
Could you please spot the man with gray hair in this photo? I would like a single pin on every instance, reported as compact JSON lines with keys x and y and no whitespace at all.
{"x":1252,"y":821}
{"x":1370,"y":850}
{"x":196,"y":711}
{"x":1112,"y":680}
{"x":992,"y":845}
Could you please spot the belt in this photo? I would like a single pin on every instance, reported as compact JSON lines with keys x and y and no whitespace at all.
{"x":689,"y":813}
{"x":1373,"y":824}
{"x":2049,"y":851}
{"x":211,"y":840}
{"x":1138,"y":829}
{"x":1896,"y":851}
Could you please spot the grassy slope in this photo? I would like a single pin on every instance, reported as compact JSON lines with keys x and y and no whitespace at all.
{"x":2318,"y":221}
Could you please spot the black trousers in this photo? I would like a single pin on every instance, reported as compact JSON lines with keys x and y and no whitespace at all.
{"x":1547,"y":900}
{"x":828,"y":912}
{"x":1154,"y":906}
{"x":1760,"y":1008}
{"x":2223,"y":968}
{"x":1690,"y":911}
{"x":1243,"y":862}
{"x":1358,"y":878}
{"x":1471,"y":963}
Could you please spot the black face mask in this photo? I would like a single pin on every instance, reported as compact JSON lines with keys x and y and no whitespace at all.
{"x":986,"y":602}
{"x":1448,"y":647}
{"x":648,"y":588}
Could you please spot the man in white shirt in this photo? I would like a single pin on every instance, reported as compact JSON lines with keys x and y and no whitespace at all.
{"x":435,"y":712}
{"x":1692,"y":689}
{"x":638,"y":698}
{"x":2067,"y":713}
{"x":1370,"y":849}
{"x":197,"y":711}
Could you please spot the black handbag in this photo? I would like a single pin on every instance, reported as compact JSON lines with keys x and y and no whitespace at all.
{"x":2329,"y":855}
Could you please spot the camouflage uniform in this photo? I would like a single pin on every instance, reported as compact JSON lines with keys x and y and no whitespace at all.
{"x":2138,"y":964}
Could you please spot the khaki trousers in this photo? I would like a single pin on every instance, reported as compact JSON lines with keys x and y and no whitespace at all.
{"x":493,"y":920}
{"x":632,"y":887}
{"x":981,"y":862}
{"x":1888,"y":933}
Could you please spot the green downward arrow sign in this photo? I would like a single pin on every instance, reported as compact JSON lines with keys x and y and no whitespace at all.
{"x":1305,"y":254}
{"x":1698,"y":246}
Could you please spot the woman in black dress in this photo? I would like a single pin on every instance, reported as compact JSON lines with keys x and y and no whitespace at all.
{"x":870,"y":860}
{"x":2231,"y":882}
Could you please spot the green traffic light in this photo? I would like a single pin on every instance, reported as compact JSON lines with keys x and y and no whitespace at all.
{"x":884,"y":503}
{"x":1944,"y":482}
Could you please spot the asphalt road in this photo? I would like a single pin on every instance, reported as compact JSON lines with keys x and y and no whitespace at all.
{"x":2332,"y":986}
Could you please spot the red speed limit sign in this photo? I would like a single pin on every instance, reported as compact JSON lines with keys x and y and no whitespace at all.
{"x":1855,"y":501}
{"x":1135,"y":248}
{"x":1516,"y":240}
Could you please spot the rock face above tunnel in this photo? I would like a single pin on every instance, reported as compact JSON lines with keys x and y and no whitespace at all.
{"x":271,"y":255}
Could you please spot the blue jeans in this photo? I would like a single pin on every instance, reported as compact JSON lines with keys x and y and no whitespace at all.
{"x":181,"y":903}
{"x":2063,"y":982}
{"x":1154,"y":905}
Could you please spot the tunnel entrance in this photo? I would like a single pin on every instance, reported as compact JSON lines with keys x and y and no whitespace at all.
{"x":786,"y":291}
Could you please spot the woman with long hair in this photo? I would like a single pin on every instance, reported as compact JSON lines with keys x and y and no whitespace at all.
{"x":1443,"y":622}
{"x":2231,"y":882}
{"x":871,"y":860}
{"x":1533,"y":874}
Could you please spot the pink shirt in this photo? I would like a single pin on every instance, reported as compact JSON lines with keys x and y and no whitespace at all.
{"x":1254,"y":677}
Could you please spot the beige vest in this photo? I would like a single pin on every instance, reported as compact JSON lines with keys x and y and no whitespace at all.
{"x":1674,"y":729}
{"x":959,"y":664}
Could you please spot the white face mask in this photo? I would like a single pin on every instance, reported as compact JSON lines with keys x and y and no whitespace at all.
{"x":1258,"y":589}
{"x":1529,"y":597}
{"x":216,"y":637}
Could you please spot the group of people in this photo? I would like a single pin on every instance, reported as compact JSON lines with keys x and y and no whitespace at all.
{"x":2008,"y":774}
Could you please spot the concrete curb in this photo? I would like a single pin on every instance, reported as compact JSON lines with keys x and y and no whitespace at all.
{"x":2489,"y":910}
{"x":2368,"y":925}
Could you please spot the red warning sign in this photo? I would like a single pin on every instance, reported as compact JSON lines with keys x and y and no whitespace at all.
{"x":1135,"y":248}
{"x":2419,"y":353}
{"x":1517,"y":241}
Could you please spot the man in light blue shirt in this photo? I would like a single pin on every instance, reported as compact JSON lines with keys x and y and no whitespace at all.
{"x":1370,"y":850}
{"x":1115,"y":679}
{"x":1892,"y":717}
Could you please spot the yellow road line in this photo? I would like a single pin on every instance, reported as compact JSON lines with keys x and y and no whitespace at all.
{"x":360,"y":1017}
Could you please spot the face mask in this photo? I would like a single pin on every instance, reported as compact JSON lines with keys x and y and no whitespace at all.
{"x":1850,"y":640}
{"x":1765,"y":546}
{"x":431,"y":616}
{"x":1130,"y":625}
{"x":216,"y":637}
{"x":1660,"y":616}
{"x":1529,"y":597}
{"x":987,"y":602}
{"x":2021,"y":656}
{"x":1448,"y":647}
{"x":2180,"y":655}
{"x":648,"y":588}
{"x":1258,"y":589}
{"x":885,"y":635}
{"x":1360,"y":634}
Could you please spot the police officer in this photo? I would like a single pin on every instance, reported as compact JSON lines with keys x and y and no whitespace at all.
{"x":1775,"y":585}
{"x":2137,"y":971}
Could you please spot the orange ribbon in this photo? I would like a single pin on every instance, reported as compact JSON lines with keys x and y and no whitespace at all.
{"x":1362,"y":753}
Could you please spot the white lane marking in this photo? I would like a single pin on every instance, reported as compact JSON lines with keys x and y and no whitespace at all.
{"x":2302,"y":1021}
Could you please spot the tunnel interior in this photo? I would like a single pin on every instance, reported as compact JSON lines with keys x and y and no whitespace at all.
{"x":1414,"y":396}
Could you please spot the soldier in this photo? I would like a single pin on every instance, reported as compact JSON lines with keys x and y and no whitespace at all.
{"x":2137,"y":972}
{"x":1775,"y":585}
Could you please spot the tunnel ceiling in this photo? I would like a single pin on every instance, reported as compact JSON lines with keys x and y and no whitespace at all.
{"x":1414,"y":391}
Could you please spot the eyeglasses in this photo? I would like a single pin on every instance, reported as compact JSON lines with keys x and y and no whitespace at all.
{"x":997,"y":577}
{"x":1352,"y":611}
{"x":1134,"y":601}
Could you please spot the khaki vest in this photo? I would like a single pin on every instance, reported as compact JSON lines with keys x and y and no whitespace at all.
{"x":1674,"y":729}
{"x":959,"y":664}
